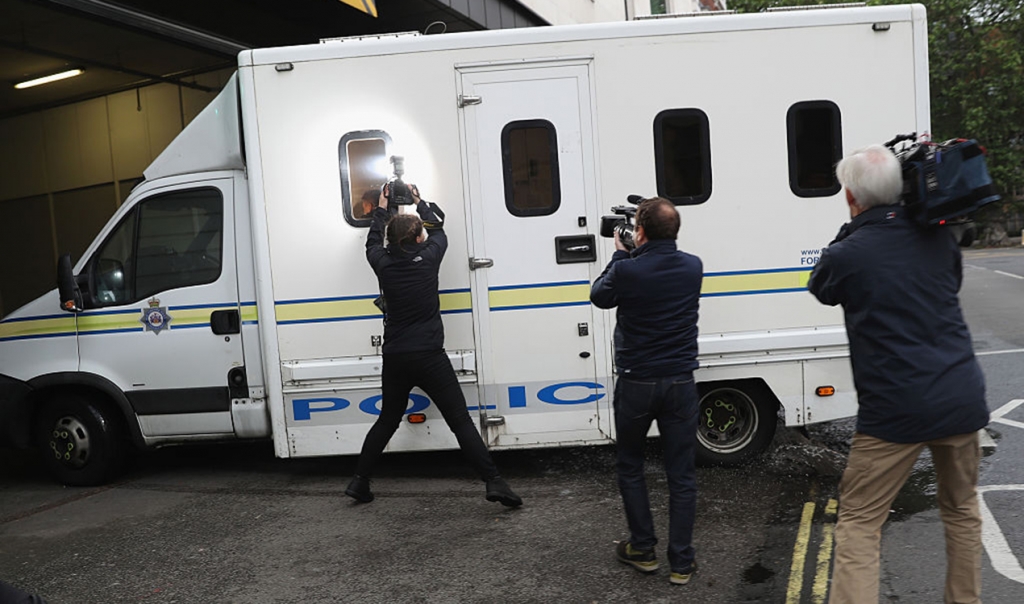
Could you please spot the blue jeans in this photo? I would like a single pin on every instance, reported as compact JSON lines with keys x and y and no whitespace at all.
{"x":672,"y":401}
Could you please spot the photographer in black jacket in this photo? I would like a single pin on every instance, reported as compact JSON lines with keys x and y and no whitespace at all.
{"x":656,"y":289}
{"x":413,"y":349}
{"x":918,"y":383}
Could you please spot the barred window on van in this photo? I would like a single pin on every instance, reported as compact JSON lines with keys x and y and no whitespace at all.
{"x":364,"y":166}
{"x":682,"y":156}
{"x":814,"y":130}
{"x":529,"y":158}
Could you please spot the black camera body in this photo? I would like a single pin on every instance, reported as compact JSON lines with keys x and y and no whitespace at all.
{"x":621,"y":222}
{"x":943,"y":183}
{"x":396,"y":190}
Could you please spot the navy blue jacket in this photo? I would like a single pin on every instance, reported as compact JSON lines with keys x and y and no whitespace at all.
{"x":408,"y":280}
{"x":657,"y":291}
{"x":913,"y":364}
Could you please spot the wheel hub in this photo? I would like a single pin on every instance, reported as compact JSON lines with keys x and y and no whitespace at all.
{"x":69,"y":442}
{"x":727,"y":420}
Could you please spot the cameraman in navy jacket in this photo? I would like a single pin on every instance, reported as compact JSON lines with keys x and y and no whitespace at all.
{"x":918,"y":383}
{"x":414,"y":356}
{"x":656,"y":289}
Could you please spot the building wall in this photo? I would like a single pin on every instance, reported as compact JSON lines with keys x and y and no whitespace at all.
{"x":565,"y":12}
{"x":64,"y":171}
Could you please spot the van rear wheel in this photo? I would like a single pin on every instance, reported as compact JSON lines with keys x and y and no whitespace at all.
{"x":735,"y":423}
{"x":82,"y":442}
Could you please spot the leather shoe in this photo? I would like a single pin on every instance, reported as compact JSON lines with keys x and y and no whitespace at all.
{"x":498,"y":490}
{"x":359,"y":489}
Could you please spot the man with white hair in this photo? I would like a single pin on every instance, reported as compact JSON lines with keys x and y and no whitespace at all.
{"x":918,"y":382}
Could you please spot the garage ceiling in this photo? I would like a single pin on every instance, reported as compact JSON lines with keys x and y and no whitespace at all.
{"x":132,"y":43}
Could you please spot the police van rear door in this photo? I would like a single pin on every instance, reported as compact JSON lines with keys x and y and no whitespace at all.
{"x":528,"y":157}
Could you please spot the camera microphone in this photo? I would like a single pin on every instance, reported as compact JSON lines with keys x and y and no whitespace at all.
{"x":634,"y":199}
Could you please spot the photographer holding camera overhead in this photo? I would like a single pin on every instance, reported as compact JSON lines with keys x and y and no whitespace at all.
{"x":918,"y":382}
{"x":656,"y":289}
{"x":414,"y":356}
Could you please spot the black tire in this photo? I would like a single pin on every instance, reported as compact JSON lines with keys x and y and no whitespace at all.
{"x":735,"y":423}
{"x":82,"y":442}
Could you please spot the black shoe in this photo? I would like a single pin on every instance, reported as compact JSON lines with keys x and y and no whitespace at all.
{"x":359,"y":489}
{"x":498,"y":490}
{"x":682,"y":578}
{"x":643,"y":560}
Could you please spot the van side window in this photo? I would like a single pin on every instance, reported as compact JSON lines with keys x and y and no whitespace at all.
{"x":815,"y":137}
{"x":529,"y":161}
{"x":682,"y":156}
{"x":166,"y":242}
{"x":364,"y":165}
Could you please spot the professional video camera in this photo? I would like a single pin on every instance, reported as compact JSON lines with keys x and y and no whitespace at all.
{"x":622,"y":222}
{"x":943,"y":183}
{"x":395,"y":190}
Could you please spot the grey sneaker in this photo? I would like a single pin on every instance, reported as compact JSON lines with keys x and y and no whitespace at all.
{"x":642,"y":560}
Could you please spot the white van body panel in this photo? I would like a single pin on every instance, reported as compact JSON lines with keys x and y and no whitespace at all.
{"x":535,"y":359}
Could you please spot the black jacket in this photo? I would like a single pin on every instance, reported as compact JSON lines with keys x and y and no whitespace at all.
{"x":913,"y":364}
{"x":408,"y":280}
{"x":657,"y":291}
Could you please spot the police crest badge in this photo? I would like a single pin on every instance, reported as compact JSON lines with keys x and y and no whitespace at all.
{"x":155,"y":318}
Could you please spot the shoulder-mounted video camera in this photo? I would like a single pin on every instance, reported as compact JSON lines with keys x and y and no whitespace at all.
{"x":942,"y":182}
{"x":621,"y":222}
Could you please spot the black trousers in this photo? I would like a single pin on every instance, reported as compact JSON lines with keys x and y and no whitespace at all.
{"x":433,"y":373}
{"x":10,"y":594}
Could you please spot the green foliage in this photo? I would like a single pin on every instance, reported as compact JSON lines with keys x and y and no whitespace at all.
{"x":976,"y":63}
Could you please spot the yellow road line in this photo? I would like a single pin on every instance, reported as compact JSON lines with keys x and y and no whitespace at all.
{"x":796,"y":571}
{"x":820,"y":589}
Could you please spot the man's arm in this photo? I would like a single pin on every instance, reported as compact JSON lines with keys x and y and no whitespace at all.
{"x":826,"y":281}
{"x":602,"y":293}
{"x":433,"y":223}
{"x":375,"y":251}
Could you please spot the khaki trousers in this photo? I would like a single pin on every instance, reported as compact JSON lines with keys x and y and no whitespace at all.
{"x":874,"y":475}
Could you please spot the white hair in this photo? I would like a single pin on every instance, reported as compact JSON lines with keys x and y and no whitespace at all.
{"x":872,"y":175}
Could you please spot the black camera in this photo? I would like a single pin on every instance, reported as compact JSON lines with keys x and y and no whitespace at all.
{"x":395,"y":190}
{"x":943,"y":183}
{"x":621,"y":222}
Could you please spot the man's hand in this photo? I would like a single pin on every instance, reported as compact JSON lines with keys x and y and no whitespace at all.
{"x":383,"y":201}
{"x":618,"y":243}
{"x":415,"y":192}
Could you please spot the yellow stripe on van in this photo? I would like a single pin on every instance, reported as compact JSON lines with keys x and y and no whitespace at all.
{"x":193,"y":316}
{"x":110,"y":322}
{"x":250,"y":314}
{"x":35,"y":328}
{"x":755,"y":282}
{"x":328,"y":310}
{"x":456,"y":301}
{"x":539,"y":296}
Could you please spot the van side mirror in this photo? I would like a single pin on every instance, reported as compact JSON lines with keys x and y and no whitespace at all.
{"x":70,"y":294}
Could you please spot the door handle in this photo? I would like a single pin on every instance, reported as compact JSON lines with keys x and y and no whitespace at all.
{"x":578,"y":248}
{"x":475,"y":263}
{"x":224,"y":322}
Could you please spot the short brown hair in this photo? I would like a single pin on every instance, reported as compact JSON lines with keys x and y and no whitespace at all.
{"x":403,"y":229}
{"x":659,"y":218}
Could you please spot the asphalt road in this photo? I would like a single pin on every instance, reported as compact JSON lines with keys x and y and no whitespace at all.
{"x":234,"y":524}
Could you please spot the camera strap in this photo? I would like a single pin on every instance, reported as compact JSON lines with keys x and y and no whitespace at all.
{"x":437,"y":220}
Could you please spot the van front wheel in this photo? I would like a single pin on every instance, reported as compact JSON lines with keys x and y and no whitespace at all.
{"x":82,"y":443}
{"x":735,"y":423}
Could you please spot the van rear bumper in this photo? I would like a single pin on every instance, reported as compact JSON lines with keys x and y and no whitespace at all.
{"x":14,"y":420}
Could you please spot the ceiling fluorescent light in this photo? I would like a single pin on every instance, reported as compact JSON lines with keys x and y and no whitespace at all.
{"x":50,"y":78}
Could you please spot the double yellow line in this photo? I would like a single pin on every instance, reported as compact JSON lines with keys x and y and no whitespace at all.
{"x":819,"y":589}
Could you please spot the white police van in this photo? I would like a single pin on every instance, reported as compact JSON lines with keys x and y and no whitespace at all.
{"x":230,"y":298}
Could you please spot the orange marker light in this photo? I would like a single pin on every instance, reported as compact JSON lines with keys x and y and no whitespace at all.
{"x":417,"y":418}
{"x":825,"y":391}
